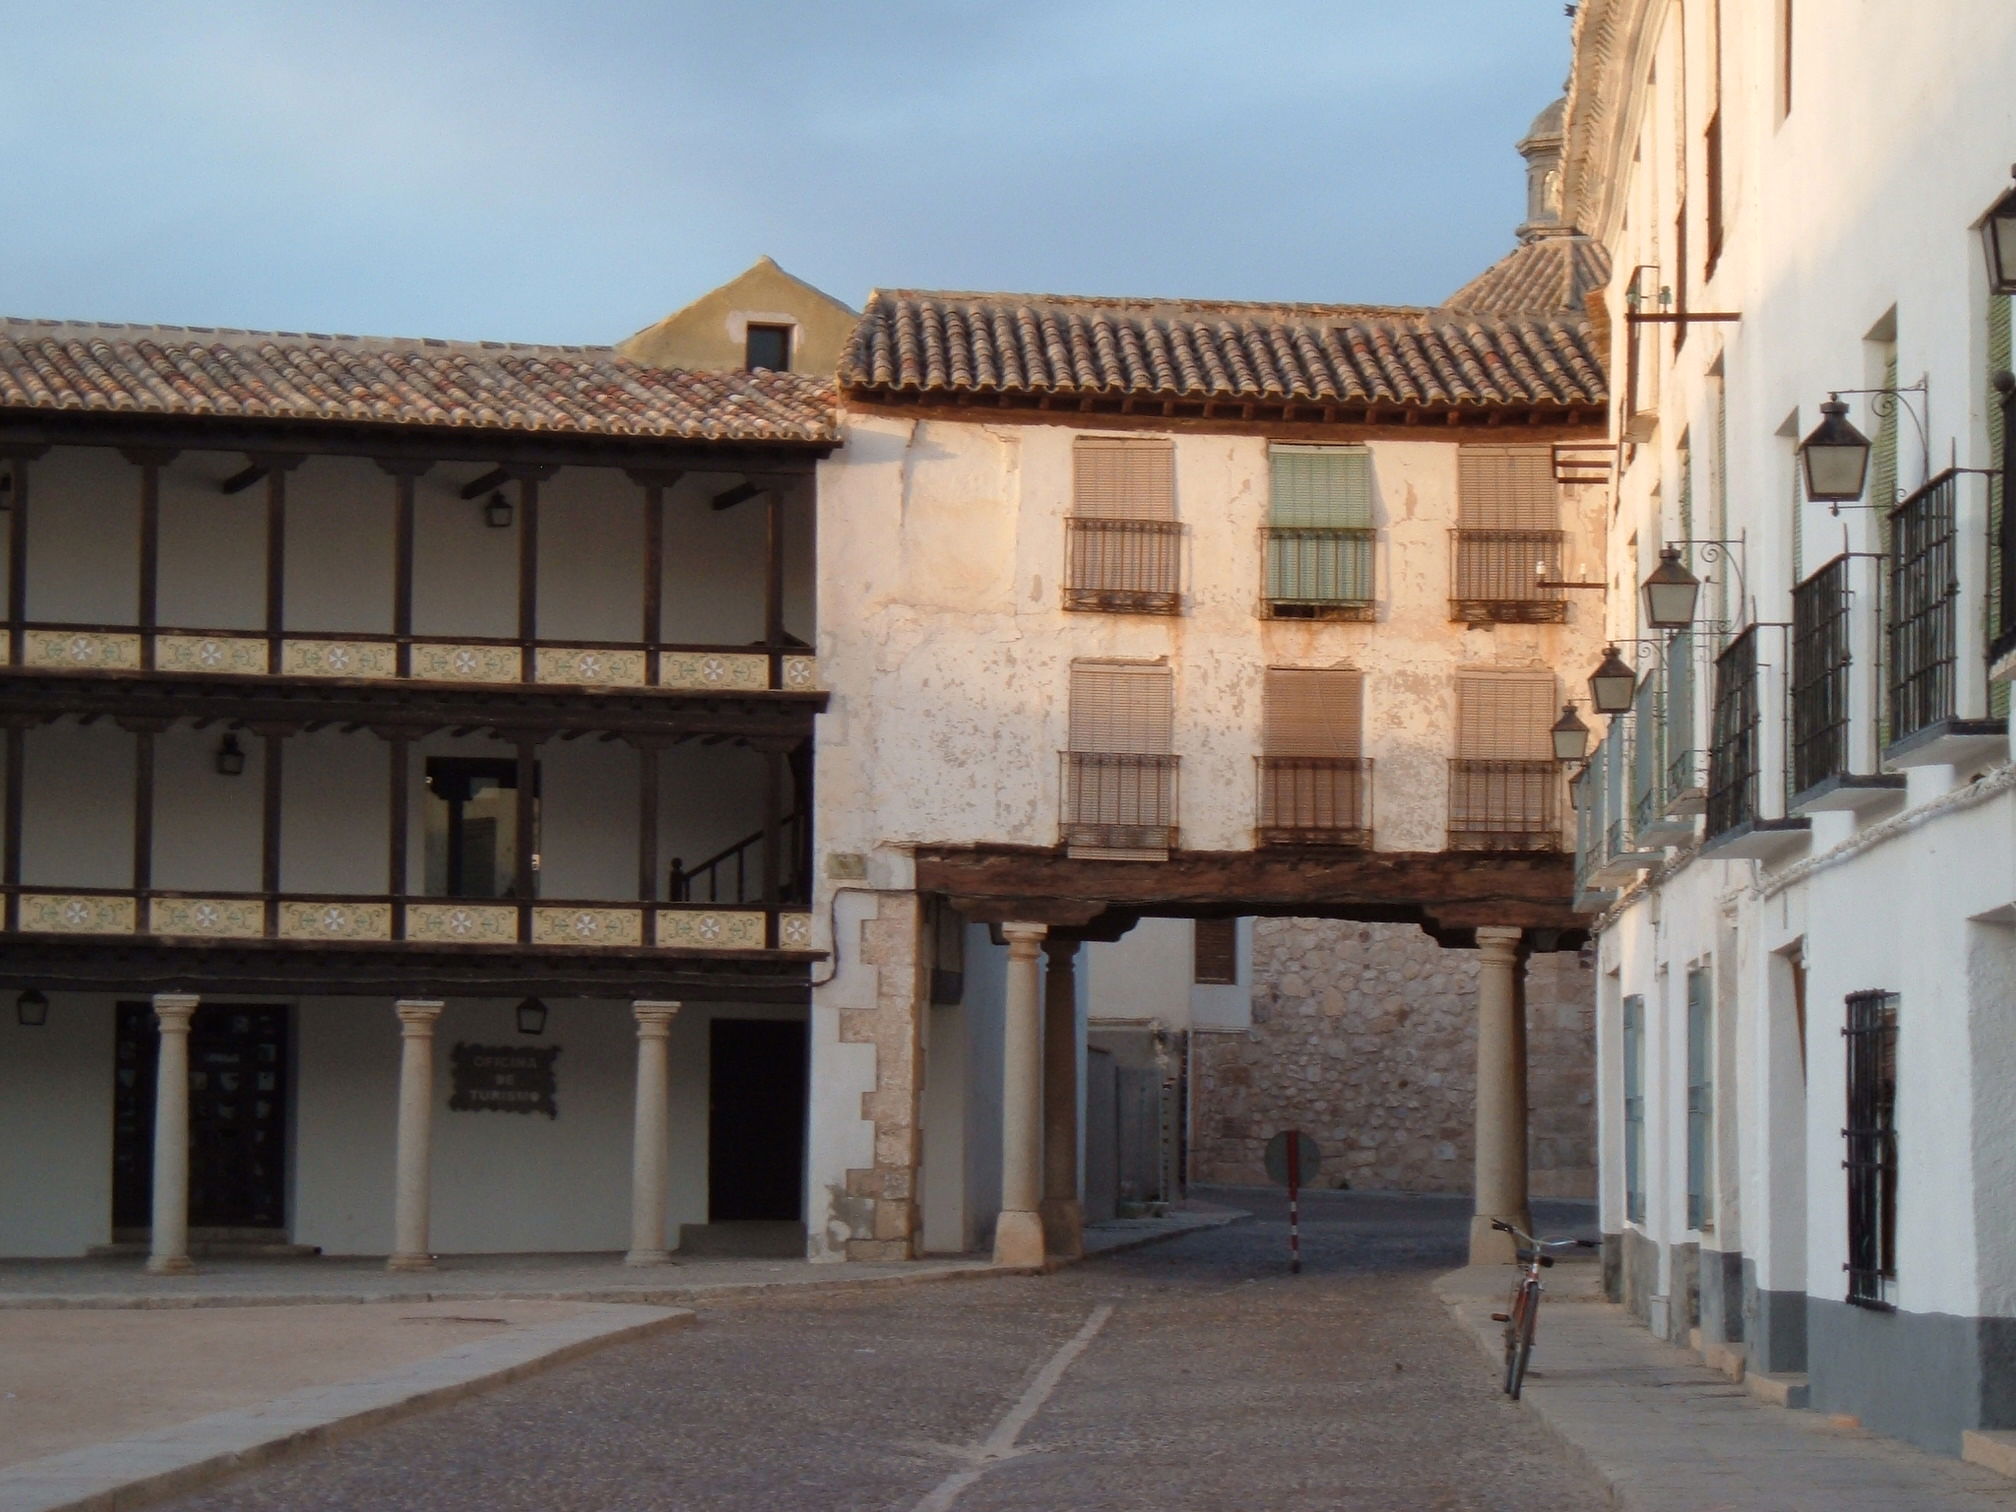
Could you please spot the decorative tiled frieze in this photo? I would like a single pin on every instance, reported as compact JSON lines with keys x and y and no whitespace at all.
{"x":212,"y":918}
{"x":72,"y":913}
{"x":710,"y":930}
{"x":336,"y":921}
{"x":449,"y":663}
{"x":82,"y":648}
{"x":794,"y":931}
{"x":722,"y":671}
{"x":587,"y":926}
{"x":608,"y":668}
{"x":801,"y":673}
{"x":210,"y":653}
{"x":462,"y":923}
{"x":335,"y":658}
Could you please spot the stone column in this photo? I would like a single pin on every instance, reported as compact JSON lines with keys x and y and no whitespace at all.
{"x":652,"y":1133}
{"x":1501,"y":1097}
{"x":413,"y":1185}
{"x":1063,"y":1213}
{"x":169,"y":1253}
{"x":1018,"y":1234}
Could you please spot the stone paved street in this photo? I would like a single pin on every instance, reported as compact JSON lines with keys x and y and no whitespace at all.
{"x":1217,"y":1381}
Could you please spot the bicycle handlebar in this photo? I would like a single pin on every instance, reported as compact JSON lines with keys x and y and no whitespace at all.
{"x":1543,"y":1244}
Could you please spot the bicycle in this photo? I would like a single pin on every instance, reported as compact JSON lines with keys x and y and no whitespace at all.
{"x":1521,"y":1322}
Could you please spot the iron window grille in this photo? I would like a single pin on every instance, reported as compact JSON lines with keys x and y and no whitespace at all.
{"x":1871,"y":1135}
{"x":1924,"y":598}
{"x":2003,"y":540}
{"x":1319,"y":571}
{"x":1132,"y":566}
{"x":1497,"y":576}
{"x":1634,"y":1108}
{"x":1820,"y":685}
{"x":1315,"y":800}
{"x":1504,"y":805}
{"x":1119,"y":802}
{"x":1733,"y":744}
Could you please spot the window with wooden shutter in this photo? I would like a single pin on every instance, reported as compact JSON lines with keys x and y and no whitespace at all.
{"x":1119,"y":777}
{"x":1215,"y":953}
{"x":1320,"y":540}
{"x":1315,"y":782}
{"x":1508,"y":539}
{"x":1125,"y":547}
{"x":1504,"y":784}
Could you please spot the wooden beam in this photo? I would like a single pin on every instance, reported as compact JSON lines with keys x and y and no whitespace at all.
{"x":741,"y":493}
{"x":491,"y":481}
{"x":245,"y":477}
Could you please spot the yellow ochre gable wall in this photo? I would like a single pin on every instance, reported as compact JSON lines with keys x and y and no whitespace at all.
{"x":709,"y":332}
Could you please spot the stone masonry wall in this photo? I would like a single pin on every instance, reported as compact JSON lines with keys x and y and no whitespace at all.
{"x":1365,"y":1037}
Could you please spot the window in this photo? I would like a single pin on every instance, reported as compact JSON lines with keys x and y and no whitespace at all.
{"x":1504,"y":782}
{"x":1700,"y":1102}
{"x":1872,"y":1147}
{"x":1319,"y":536}
{"x":767,"y":346}
{"x":472,"y":827}
{"x":1508,"y":538}
{"x":1784,"y":58}
{"x":1215,"y":951}
{"x":1119,"y":798}
{"x":1733,"y":737}
{"x":1124,"y":543}
{"x":1634,"y":1108}
{"x":1315,"y":783}
{"x":1820,"y":667}
{"x":1711,"y":142}
{"x":2001,"y":606}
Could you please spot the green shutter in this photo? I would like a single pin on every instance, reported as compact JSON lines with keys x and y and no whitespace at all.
{"x":1883,"y":462}
{"x":1798,"y":518}
{"x":1318,"y":490}
{"x":1700,"y":1102}
{"x":1634,"y":1108}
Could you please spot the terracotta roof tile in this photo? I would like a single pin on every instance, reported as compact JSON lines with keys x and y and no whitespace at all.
{"x":962,"y":345}
{"x":177,"y":370}
{"x":1549,"y":275}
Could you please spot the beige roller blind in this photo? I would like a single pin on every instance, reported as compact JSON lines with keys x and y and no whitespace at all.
{"x":1122,"y":710}
{"x":1310,"y":712}
{"x":1507,"y":488}
{"x":1505,"y":716}
{"x":1120,"y":478}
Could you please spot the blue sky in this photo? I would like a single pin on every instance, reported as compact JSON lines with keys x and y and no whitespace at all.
{"x":536,"y":170}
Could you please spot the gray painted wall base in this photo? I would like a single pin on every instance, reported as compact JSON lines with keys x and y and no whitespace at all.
{"x":1640,"y":1275}
{"x":1684,"y":1312}
{"x":1722,"y":1319}
{"x":1774,"y":1326}
{"x":1922,"y":1377}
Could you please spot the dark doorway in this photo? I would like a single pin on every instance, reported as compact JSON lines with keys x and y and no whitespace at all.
{"x":237,"y":1117}
{"x":756,"y":1120}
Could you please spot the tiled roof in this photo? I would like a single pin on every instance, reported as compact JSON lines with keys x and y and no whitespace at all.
{"x":265,"y":375}
{"x":1548,"y":275}
{"x":1040,"y":345}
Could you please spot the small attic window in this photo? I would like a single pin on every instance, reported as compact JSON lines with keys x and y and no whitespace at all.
{"x":768,"y":346}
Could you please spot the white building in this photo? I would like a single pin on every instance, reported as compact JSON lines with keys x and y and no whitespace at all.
{"x":1805,"y":1014}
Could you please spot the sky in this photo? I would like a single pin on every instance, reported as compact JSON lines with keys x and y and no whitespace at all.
{"x":571,"y":170}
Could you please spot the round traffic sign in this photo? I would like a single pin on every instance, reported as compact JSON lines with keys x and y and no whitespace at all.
{"x":1308,"y":1158}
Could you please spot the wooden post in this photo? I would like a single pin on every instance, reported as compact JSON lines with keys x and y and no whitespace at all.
{"x":143,"y":815}
{"x":528,"y":563}
{"x":398,"y":761}
{"x":528,"y":820}
{"x":10,"y":851}
{"x":150,"y":461}
{"x":773,"y":583}
{"x":276,"y":569}
{"x":269,"y":831}
{"x":654,"y":578}
{"x":647,"y":836}
{"x":17,"y":562}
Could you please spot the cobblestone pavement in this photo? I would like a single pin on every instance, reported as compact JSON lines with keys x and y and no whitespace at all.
{"x":1195,"y":1374}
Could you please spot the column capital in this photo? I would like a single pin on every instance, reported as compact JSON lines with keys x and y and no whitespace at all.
{"x":1062,"y":949}
{"x":173,"y":1009}
{"x":1499,"y":939}
{"x":654,"y":1017}
{"x":1023,"y":939}
{"x":417,"y":1015}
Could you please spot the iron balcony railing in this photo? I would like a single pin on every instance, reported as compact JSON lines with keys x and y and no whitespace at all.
{"x":1504,"y":805}
{"x":1820,"y":687}
{"x":1132,"y":566}
{"x":1733,"y":741}
{"x":1585,"y":793}
{"x":1119,"y":802}
{"x":1496,"y":576}
{"x":1315,"y":800}
{"x":2002,"y":537}
{"x":1924,"y":602}
{"x":1319,"y":572}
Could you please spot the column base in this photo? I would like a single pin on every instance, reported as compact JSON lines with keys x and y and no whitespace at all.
{"x":1489,"y":1246}
{"x":648,"y":1257}
{"x":410,"y":1263}
{"x":1064,"y":1227}
{"x":1018,"y":1239}
{"x":170,"y":1265}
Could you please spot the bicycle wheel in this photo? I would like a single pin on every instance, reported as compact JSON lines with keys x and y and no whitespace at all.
{"x":1520,"y":1349}
{"x":1514,"y":1315}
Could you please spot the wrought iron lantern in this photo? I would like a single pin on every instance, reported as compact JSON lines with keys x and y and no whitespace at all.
{"x":498,"y":513}
{"x":532,"y":1016}
{"x":230,"y":758}
{"x":1670,"y":593}
{"x":31,"y":1009}
{"x":1998,"y":236}
{"x":1613,"y":684}
{"x":1835,"y":457}
{"x":1571,"y":735}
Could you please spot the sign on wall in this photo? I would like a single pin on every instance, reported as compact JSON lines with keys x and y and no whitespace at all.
{"x":504,"y":1079}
